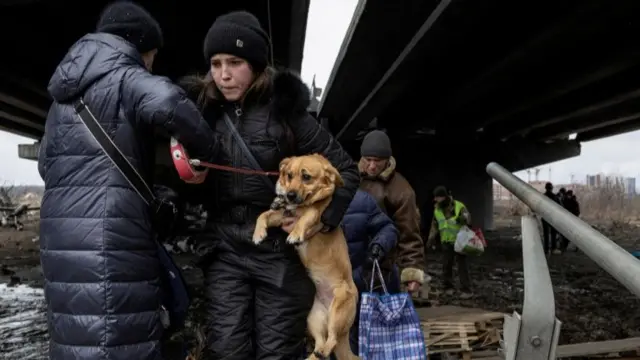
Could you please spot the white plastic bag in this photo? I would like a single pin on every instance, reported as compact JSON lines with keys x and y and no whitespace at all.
{"x":468,"y":243}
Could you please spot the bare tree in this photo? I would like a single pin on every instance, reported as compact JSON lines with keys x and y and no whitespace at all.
{"x":7,"y":194}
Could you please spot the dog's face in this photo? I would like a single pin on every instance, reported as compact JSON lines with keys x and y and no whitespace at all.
{"x":307,"y":179}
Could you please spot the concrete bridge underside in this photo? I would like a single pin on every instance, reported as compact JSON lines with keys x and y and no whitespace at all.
{"x":466,"y":82}
{"x":38,"y":33}
{"x":456,"y":83}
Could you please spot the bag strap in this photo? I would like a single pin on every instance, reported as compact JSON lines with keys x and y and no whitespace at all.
{"x":247,"y":152}
{"x":120,"y":161}
{"x":377,"y":271}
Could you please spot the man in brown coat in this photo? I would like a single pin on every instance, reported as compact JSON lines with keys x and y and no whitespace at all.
{"x":396,"y":198}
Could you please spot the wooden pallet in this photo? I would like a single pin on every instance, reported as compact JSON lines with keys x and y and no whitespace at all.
{"x":449,"y":337}
{"x":489,"y":333}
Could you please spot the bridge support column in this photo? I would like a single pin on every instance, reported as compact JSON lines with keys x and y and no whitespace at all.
{"x":429,"y":162}
{"x":29,"y":151}
{"x":467,"y":183}
{"x":477,"y":194}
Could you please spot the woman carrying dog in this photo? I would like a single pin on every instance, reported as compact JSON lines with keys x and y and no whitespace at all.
{"x":258,"y":297}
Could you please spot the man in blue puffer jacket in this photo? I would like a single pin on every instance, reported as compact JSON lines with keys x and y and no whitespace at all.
{"x":370,"y":235}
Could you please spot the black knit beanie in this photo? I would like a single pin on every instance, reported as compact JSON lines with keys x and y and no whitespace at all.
{"x":440,"y":191}
{"x":239,"y":34}
{"x":376,"y":144}
{"x":133,"y":23}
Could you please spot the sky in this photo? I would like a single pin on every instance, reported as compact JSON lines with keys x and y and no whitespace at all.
{"x":326,"y":26}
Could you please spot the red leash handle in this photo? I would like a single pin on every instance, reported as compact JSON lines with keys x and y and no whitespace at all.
{"x":181,"y":162}
{"x":188,"y":173}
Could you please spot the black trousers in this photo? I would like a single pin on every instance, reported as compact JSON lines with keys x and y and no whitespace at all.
{"x":549,"y":236}
{"x":257,"y":303}
{"x":451,"y":256}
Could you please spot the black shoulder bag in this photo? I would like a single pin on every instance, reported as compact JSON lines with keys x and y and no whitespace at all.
{"x":176,"y":298}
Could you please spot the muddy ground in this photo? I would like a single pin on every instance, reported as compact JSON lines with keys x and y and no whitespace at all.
{"x":589,"y":302}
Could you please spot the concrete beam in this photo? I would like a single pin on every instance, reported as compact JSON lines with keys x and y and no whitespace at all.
{"x":465,"y":180}
{"x":528,"y":155}
{"x":520,"y":54}
{"x":22,"y":105}
{"x":298,"y":29}
{"x":29,"y":151}
{"x":629,"y":97}
{"x":616,"y":91}
{"x":618,"y":116}
{"x":342,"y":53}
{"x":612,"y":130}
{"x":19,"y":129}
{"x":385,"y":91}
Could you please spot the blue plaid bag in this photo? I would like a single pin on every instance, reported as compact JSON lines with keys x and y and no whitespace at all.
{"x":389,"y":325}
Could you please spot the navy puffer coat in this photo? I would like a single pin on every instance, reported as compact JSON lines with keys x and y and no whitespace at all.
{"x":366,"y":224}
{"x":97,"y":249}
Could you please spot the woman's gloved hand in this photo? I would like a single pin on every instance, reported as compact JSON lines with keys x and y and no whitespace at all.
{"x":376,"y":252}
{"x":165,"y":212}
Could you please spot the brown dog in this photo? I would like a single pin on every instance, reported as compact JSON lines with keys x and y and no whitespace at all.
{"x":307,"y":183}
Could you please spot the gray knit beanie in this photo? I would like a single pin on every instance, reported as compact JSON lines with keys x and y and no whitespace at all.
{"x":376,"y":144}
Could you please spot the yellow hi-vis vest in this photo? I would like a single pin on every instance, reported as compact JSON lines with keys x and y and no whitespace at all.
{"x":449,"y":227}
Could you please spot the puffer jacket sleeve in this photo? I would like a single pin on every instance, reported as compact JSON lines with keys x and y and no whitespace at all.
{"x":311,"y":138}
{"x":42,"y":167}
{"x":158,"y":101}
{"x":380,"y":227}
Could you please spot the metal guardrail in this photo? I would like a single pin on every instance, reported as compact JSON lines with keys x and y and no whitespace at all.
{"x":534,"y":335}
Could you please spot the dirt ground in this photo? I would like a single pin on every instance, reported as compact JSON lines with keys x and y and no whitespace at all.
{"x":19,"y":255}
{"x":589,"y":302}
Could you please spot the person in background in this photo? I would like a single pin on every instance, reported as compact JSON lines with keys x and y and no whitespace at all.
{"x":562,"y":197}
{"x":102,"y":272}
{"x":448,"y":218}
{"x":258,"y":297}
{"x":572,"y":205}
{"x":371,"y":236}
{"x":396,"y":198}
{"x":562,"y":194}
{"x":549,"y":233}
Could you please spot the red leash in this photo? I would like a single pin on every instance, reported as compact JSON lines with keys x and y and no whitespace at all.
{"x":185,"y":166}
{"x":197,"y":162}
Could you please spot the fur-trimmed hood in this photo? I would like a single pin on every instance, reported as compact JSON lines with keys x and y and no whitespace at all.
{"x":385,"y":175}
{"x":289,"y":93}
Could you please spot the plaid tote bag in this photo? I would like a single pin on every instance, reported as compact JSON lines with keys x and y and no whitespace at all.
{"x":389,"y":325}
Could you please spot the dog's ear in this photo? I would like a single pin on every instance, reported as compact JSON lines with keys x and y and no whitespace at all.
{"x":333,"y":175}
{"x":284,"y":163}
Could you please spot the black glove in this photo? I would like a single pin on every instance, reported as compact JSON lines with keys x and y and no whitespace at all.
{"x":164,"y":211}
{"x":375,"y":253}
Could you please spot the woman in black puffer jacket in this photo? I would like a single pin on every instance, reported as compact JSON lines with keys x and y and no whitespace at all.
{"x":258,"y":297}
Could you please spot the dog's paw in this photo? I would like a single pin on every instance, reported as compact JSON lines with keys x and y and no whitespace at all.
{"x":317,"y":355}
{"x":259,"y":235}
{"x":295,"y":238}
